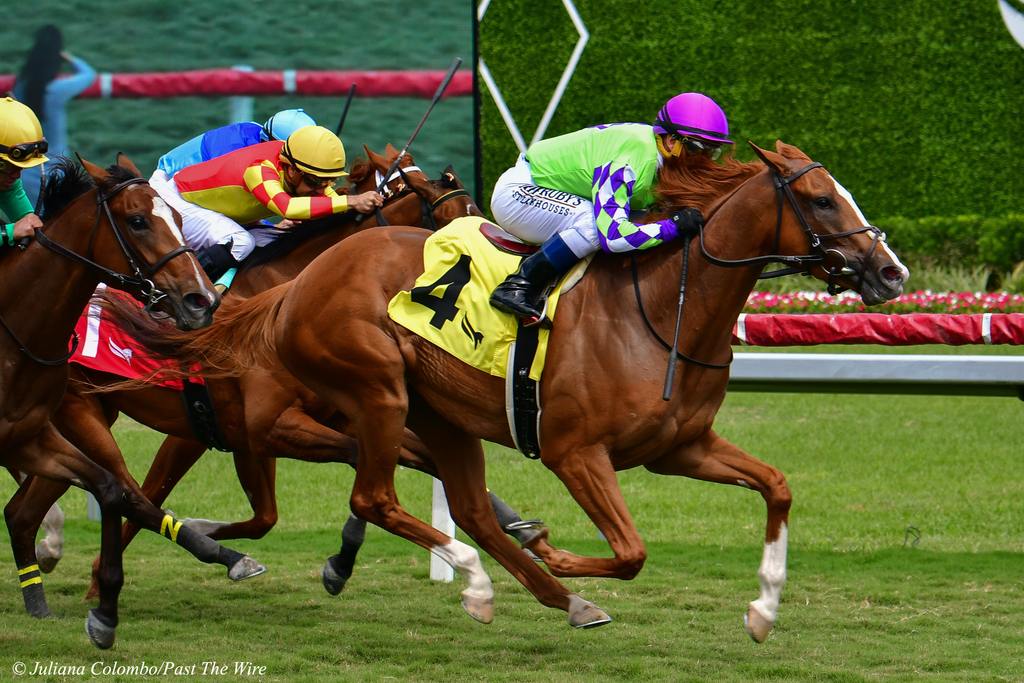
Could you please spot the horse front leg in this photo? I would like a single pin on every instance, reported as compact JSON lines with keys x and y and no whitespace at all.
{"x":50,"y":548}
{"x":712,"y":458}
{"x":588,"y":475}
{"x":257,"y":474}
{"x":29,"y":506}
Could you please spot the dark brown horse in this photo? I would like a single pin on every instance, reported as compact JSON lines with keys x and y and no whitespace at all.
{"x":602,"y":386}
{"x":263,"y":415}
{"x":100,"y":226}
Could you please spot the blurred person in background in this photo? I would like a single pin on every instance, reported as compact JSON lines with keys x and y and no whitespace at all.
{"x":293,"y":179}
{"x":47,"y":95}
{"x":22,"y":147}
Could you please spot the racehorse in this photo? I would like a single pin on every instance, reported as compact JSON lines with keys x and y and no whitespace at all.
{"x":100,"y":226}
{"x":264,"y":415}
{"x":602,"y":386}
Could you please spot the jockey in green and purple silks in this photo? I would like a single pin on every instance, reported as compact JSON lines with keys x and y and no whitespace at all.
{"x":22,"y":146}
{"x":573,"y":194}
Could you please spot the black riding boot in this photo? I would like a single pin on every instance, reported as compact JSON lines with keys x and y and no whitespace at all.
{"x":216,"y":259}
{"x":525,"y":292}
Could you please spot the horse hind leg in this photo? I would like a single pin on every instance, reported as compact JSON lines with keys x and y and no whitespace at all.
{"x":50,"y":548}
{"x":714,"y":459}
{"x":459,"y":459}
{"x":338,"y":568}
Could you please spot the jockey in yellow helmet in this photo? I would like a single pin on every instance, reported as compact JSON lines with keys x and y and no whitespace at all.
{"x":291,"y":179}
{"x":22,"y":146}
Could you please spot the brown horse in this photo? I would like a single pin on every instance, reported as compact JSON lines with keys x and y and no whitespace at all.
{"x":602,"y":386}
{"x":100,"y":226}
{"x":264,"y":415}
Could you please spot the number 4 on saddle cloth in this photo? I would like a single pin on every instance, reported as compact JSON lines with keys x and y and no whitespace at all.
{"x":449,"y":307}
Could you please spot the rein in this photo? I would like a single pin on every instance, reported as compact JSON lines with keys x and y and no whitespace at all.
{"x":139,"y":280}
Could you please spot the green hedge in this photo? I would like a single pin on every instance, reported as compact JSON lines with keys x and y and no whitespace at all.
{"x":914,"y":106}
{"x":958,"y":241}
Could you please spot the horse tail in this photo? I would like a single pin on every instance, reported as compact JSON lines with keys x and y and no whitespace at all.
{"x":240,"y":337}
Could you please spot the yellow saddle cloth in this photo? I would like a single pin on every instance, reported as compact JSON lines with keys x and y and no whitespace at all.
{"x":449,"y":306}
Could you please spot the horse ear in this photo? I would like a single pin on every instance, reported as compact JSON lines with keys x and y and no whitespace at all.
{"x":771,"y":159}
{"x":390,"y":151}
{"x":790,"y":151}
{"x":123,"y":161}
{"x":97,"y":173}
{"x":375,"y":159}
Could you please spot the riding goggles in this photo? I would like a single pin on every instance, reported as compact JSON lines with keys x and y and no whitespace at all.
{"x":695,"y":146}
{"x":316,"y":182}
{"x":25,"y":151}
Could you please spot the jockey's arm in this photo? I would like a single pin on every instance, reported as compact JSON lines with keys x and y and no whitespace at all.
{"x":263,"y":180}
{"x":15,"y":205}
{"x":612,"y":191}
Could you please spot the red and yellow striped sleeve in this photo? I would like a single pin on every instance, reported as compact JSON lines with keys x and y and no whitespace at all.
{"x":263,"y":180}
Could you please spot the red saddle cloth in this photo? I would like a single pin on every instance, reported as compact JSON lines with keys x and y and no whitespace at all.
{"x":104,"y":346}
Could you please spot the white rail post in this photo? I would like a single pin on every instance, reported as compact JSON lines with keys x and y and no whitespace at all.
{"x":442,"y":520}
{"x":241,"y":106}
{"x":92,"y":507}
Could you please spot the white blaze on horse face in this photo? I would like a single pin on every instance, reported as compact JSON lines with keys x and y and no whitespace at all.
{"x":466,"y":562}
{"x":772,"y":575}
{"x":162,"y":211}
{"x":845,"y":194}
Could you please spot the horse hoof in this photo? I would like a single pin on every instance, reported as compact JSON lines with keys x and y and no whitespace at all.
{"x":245,"y":568}
{"x":101,"y":635}
{"x":45,"y":558}
{"x":584,"y":614}
{"x":481,"y":609}
{"x":757,"y":625}
{"x":333,"y":582}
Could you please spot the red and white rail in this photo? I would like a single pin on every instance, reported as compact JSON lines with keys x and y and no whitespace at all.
{"x":908,"y":329}
{"x":241,"y":82}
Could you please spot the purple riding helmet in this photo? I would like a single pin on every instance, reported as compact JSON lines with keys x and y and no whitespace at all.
{"x":694,"y":115}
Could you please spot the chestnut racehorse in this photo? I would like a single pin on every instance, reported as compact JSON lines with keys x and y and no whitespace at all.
{"x":263,"y":415}
{"x":100,"y":226}
{"x":602,"y":386}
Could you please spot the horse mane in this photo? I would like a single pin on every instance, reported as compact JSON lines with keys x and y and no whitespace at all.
{"x":66,"y":180}
{"x":115,"y":176}
{"x":699,"y":182}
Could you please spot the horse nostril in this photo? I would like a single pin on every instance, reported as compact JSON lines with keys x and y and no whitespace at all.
{"x":197,"y":302}
{"x":892,"y":274}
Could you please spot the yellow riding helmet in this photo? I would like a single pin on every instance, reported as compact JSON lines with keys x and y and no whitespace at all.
{"x":316,"y":151}
{"x":19,"y":128}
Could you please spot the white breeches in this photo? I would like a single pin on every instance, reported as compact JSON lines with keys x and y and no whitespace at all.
{"x":202,"y":227}
{"x":533,"y":213}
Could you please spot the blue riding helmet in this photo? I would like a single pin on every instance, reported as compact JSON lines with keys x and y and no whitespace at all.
{"x":284,"y":123}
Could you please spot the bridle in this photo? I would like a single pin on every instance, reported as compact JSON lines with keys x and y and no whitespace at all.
{"x":427,"y":206}
{"x":139,"y":282}
{"x":794,"y":264}
{"x":816,"y":241}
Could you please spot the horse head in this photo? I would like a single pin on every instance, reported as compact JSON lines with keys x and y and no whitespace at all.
{"x":442,"y":200}
{"x":820,"y":229}
{"x":144,"y":251}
